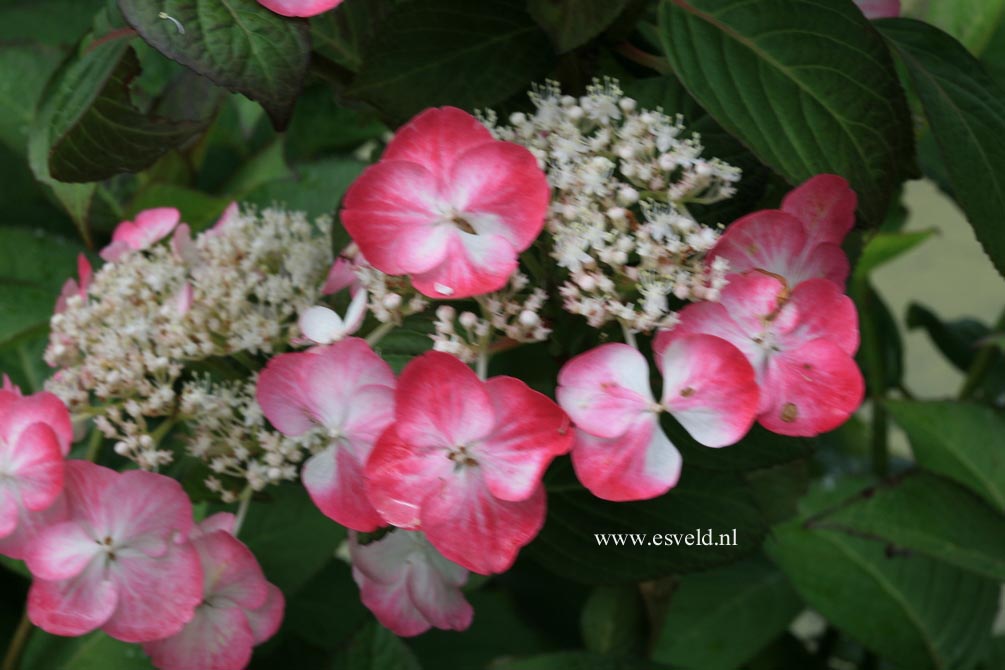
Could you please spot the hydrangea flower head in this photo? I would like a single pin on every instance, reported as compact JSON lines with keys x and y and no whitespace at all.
{"x":800,"y":344}
{"x":239,"y":608}
{"x":463,"y":461}
{"x":348,"y":391}
{"x":408,"y":585}
{"x":117,"y":563}
{"x":621,"y":453}
{"x":449,"y":205}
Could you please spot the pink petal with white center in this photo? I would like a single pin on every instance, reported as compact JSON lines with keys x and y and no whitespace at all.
{"x":182,"y":246}
{"x":476,"y":530}
{"x":440,"y":402}
{"x":32,"y":467}
{"x":824,"y":313}
{"x":826,"y":206}
{"x":229,"y":217}
{"x":8,"y":386}
{"x":709,"y":388}
{"x":811,"y":390}
{"x":144,"y":511}
{"x":501,"y":187}
{"x":321,"y":324}
{"x":441,"y":603}
{"x":231,"y":576}
{"x":401,"y":475}
{"x":639,"y":465}
{"x":62,"y":551}
{"x":879,"y":9}
{"x":408,"y":585}
{"x":10,"y":510}
{"x":115,"y":251}
{"x":30,"y":525}
{"x":74,"y":606}
{"x":394,"y":213}
{"x":392,"y":606}
{"x":72,"y":287}
{"x":530,"y":431}
{"x":217,"y":638}
{"x":157,"y":596}
{"x":267,"y":617}
{"x":280,"y":394}
{"x":84,"y":488}
{"x":473,"y":265}
{"x":18,"y":413}
{"x":221,"y":521}
{"x":300,"y":8}
{"x":769,"y":239}
{"x":605,"y":389}
{"x":436,"y":138}
{"x":334,"y":479}
{"x":183,"y":300}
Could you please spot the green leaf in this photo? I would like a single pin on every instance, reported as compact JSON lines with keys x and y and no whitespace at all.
{"x":344,"y":32}
{"x":103,"y":135}
{"x":574,"y":660}
{"x":35,"y":18}
{"x":292,"y":540}
{"x":95,"y":651}
{"x":317,"y":188}
{"x":972,"y":22}
{"x":758,"y":449}
{"x":962,"y":441}
{"x":198,"y":210}
{"x":921,"y":613}
{"x":19,"y":95}
{"x":808,"y":85}
{"x":957,"y":340}
{"x":709,"y":506}
{"x":450,"y":52}
{"x":309,"y":610}
{"x":321,"y":127}
{"x":376,"y":648}
{"x":778,"y":489}
{"x":33,"y":267}
{"x":237,"y":44}
{"x":571,"y":23}
{"x":718,"y":620}
{"x":614,"y":620}
{"x":885,"y":247}
{"x":931,"y":515}
{"x":881,"y":355}
{"x":966,"y":111}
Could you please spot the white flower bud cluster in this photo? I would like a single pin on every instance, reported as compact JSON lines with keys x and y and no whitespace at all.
{"x":622,"y":179}
{"x":235,"y":289}
{"x":391,"y":298}
{"x":229,"y":432}
{"x":511,"y":312}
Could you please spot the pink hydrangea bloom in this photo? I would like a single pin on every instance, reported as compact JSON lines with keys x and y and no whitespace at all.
{"x":801,"y":346}
{"x":408,"y":585}
{"x":239,"y":608}
{"x":118,"y":563}
{"x":463,"y":461}
{"x":323,"y":325}
{"x":621,"y":453}
{"x":343,"y":272}
{"x":348,"y":391}
{"x":72,"y":287}
{"x":879,"y":9}
{"x":35,"y":435}
{"x":449,"y":205}
{"x":300,"y":7}
{"x":800,"y":241}
{"x":150,"y":227}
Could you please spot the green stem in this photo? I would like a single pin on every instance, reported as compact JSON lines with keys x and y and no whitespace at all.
{"x":981,"y":366}
{"x":246,"y":360}
{"x":629,"y":336}
{"x":93,"y":445}
{"x":644,"y":58}
{"x":242,"y":509}
{"x":12,"y":659}
{"x":379,"y":332}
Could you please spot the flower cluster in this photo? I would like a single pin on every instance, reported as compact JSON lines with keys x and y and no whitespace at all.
{"x":119,"y":551}
{"x":128,"y":337}
{"x":622,"y":178}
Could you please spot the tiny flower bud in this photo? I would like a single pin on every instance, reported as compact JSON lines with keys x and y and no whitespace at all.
{"x":468,"y":320}
{"x":529,"y":319}
{"x":627,"y":196}
{"x":445,"y":313}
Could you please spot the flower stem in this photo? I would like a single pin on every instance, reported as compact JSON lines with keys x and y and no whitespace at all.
{"x":242,"y":509}
{"x":379,"y":332}
{"x":93,"y":445}
{"x":644,"y":58}
{"x":629,"y":336}
{"x":483,"y":364}
{"x":12,"y":659}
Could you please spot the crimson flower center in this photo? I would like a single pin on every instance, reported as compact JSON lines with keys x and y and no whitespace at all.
{"x":461,"y":457}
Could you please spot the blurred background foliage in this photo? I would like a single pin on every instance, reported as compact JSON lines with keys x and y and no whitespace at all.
{"x":879,"y":545}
